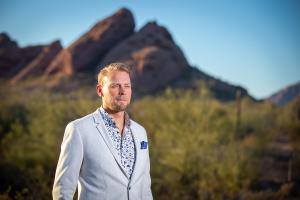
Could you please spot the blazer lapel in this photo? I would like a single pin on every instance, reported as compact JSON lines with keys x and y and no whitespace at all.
{"x":104,"y":133}
{"x":138,"y":159}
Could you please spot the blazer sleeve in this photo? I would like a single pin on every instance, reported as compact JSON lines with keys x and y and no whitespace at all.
{"x":69,"y":164}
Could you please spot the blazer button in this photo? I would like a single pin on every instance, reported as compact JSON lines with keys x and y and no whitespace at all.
{"x":129,"y":188}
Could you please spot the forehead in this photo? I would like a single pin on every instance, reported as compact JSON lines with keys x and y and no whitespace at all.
{"x":117,"y":77}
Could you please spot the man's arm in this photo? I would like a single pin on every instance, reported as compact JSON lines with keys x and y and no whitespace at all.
{"x":69,"y":164}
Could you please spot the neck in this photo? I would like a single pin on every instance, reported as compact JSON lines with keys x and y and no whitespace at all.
{"x":119,"y":118}
{"x":117,"y":115}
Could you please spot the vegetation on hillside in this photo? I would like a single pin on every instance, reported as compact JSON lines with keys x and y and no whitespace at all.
{"x":200,"y":148}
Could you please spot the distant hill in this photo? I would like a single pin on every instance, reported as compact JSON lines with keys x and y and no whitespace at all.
{"x":285,"y":95}
{"x":157,"y":61}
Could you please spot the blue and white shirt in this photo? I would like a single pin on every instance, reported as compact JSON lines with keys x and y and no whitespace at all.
{"x":124,"y":144}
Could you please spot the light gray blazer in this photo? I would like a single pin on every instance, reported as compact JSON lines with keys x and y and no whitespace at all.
{"x":89,"y":159}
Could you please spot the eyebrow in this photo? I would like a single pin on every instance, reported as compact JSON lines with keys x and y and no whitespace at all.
{"x":120,"y":83}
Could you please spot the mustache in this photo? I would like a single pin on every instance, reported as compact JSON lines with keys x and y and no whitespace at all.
{"x":121,"y":98}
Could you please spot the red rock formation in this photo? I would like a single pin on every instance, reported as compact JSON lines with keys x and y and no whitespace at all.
{"x":38,"y":65}
{"x":157,"y":62}
{"x":10,"y":54}
{"x":155,"y":58}
{"x":87,"y":51}
{"x":13,"y":58}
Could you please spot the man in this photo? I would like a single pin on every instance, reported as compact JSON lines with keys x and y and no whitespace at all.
{"x":105,"y":152}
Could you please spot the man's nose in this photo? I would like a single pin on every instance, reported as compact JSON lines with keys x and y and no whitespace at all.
{"x":121,"y":90}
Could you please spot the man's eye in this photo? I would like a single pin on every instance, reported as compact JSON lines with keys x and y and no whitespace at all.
{"x":113,"y":86}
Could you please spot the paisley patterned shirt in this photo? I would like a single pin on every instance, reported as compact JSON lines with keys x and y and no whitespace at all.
{"x":124,"y":144}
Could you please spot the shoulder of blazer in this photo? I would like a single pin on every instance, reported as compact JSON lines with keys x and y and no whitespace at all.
{"x":82,"y":121}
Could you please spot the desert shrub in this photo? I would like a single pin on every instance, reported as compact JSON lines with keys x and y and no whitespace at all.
{"x":194,"y":152}
{"x":197,"y":150}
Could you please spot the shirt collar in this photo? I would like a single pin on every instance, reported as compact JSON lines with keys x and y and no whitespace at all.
{"x":109,"y":118}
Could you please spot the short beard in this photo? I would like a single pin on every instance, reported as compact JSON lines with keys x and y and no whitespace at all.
{"x":118,"y":108}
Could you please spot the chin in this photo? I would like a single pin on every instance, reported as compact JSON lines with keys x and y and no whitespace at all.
{"x":119,"y":107}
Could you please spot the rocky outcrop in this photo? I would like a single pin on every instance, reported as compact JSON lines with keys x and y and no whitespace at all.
{"x":285,"y":95}
{"x":13,"y":58}
{"x":156,"y":61}
{"x":153,"y":55}
{"x":10,"y":55}
{"x":38,"y":65}
{"x":87,"y":51}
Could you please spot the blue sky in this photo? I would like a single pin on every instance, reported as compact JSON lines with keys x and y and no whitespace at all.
{"x":252,"y":43}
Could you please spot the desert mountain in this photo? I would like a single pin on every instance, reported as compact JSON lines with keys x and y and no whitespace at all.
{"x":87,"y":51}
{"x":157,"y":61}
{"x":285,"y":95}
{"x":155,"y":58}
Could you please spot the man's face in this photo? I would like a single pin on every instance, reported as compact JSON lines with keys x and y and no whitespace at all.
{"x":115,"y":91}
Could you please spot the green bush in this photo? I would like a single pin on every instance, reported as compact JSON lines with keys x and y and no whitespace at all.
{"x":198,"y":150}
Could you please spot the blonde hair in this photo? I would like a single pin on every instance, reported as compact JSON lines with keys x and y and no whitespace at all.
{"x":106,"y":70}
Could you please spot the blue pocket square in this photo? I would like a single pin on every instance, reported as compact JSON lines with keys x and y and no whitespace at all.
{"x":144,"y":145}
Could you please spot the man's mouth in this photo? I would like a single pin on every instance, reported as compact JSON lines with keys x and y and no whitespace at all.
{"x":121,"y":99}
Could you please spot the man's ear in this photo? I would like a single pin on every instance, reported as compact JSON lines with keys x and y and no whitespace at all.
{"x":99,"y":90}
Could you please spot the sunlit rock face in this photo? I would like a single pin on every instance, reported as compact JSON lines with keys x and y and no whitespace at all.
{"x":153,"y":55}
{"x":38,"y":65}
{"x":87,"y":51}
{"x":155,"y":59}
